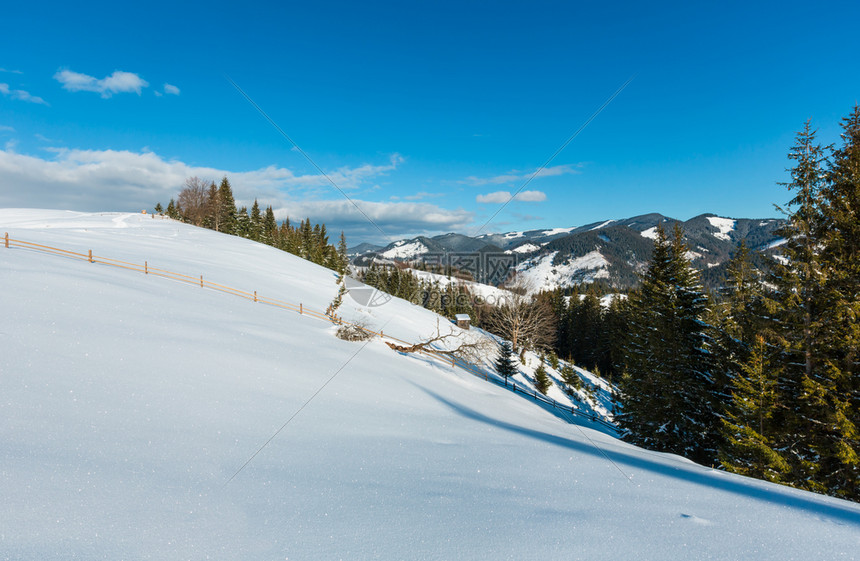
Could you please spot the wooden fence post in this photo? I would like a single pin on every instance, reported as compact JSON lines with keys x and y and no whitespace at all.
{"x":300,"y":308}
{"x":7,"y":239}
{"x":201,"y":281}
{"x":146,"y":266}
{"x":255,"y":296}
{"x":91,"y":256}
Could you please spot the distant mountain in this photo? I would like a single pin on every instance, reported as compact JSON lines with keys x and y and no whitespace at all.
{"x":362,"y":248}
{"x":611,"y":251}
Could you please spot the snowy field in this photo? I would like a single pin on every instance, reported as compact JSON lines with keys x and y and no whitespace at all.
{"x":143,"y":418}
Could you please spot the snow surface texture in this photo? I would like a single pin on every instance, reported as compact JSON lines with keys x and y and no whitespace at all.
{"x":129,"y":405}
{"x":539,"y":273}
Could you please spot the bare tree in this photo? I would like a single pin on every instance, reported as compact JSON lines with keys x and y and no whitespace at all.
{"x":527,"y":322}
{"x":471,"y":348}
{"x":194,"y":199}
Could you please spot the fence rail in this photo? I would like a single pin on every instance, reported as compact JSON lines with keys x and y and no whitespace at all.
{"x":436,"y":354}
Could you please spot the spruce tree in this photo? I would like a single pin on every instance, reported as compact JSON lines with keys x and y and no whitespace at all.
{"x":615,"y":329}
{"x":571,"y":379}
{"x":286,"y":236}
{"x":505,"y":362}
{"x":172,"y":211}
{"x":800,"y":322}
{"x":211,"y":216}
{"x":226,"y":208}
{"x":669,"y":391}
{"x":841,"y":264}
{"x":270,"y":228}
{"x":243,"y":227}
{"x":306,"y":239}
{"x":751,"y":438}
{"x":588,"y":329}
{"x":343,"y":257}
{"x":742,"y":313}
{"x":750,"y":433}
{"x":256,"y":229}
{"x":542,"y":381}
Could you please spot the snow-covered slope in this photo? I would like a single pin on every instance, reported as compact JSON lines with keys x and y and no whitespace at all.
{"x":541,"y":273}
{"x":723,"y":226}
{"x":484,"y":292}
{"x":143,"y":418}
{"x":405,"y":250}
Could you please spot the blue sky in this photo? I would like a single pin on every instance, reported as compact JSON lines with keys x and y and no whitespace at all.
{"x":428,"y":115}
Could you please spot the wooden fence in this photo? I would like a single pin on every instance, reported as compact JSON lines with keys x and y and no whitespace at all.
{"x":435,"y":354}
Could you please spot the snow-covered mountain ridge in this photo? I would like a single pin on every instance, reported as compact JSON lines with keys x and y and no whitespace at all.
{"x":146,"y":418}
{"x":560,"y":257}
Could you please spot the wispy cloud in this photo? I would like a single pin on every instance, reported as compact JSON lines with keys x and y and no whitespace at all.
{"x":6,"y":128}
{"x":421,"y":195}
{"x":90,"y":180}
{"x":515,"y":176}
{"x":118,"y":82}
{"x":501,"y":197}
{"x":352,"y":178}
{"x":21,"y":95}
{"x":169,"y":89}
{"x":396,"y":219}
{"x":11,"y":71}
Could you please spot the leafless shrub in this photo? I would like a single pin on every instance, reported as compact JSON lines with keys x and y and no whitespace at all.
{"x":353,"y":332}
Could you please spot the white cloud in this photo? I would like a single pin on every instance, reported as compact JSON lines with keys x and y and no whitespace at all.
{"x":496,"y":180}
{"x":11,"y":71}
{"x":531,"y":196}
{"x":498,"y":197}
{"x":21,"y":95}
{"x":6,"y":128}
{"x":352,"y":178}
{"x":502,"y":197}
{"x":515,"y":176}
{"x":396,"y":220}
{"x":118,"y":82}
{"x":171,"y":89}
{"x":564,"y":169}
{"x":118,"y":180}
